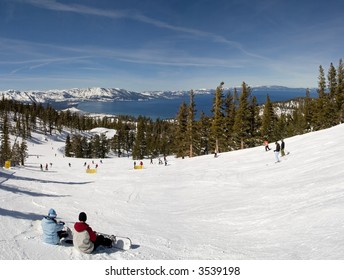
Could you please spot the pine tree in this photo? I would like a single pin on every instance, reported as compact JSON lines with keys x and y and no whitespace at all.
{"x":5,"y":147}
{"x":255,"y":122}
{"x":340,"y":91}
{"x":96,"y":146}
{"x":86,"y":147}
{"x":151,"y":139}
{"x":269,"y":120}
{"x":68,"y":146}
{"x":204,"y":128}
{"x":118,"y":138}
{"x":217,"y":129}
{"x":181,"y":137}
{"x":332,"y":86}
{"x":321,"y":113}
{"x":23,"y":152}
{"x":15,"y":154}
{"x":332,"y":81}
{"x":230,"y":111}
{"x":77,"y":146}
{"x":308,"y":111}
{"x":242,"y":124}
{"x":298,"y":120}
{"x":139,"y":149}
{"x":129,"y":137}
{"x":27,"y":125}
{"x":104,"y":147}
{"x":166,"y":134}
{"x":191,"y":123}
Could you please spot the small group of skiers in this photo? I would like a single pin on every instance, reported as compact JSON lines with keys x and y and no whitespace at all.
{"x":151,"y":161}
{"x":46,"y":166}
{"x":96,"y":165}
{"x":280,"y":148}
{"x":84,"y":238}
{"x":160,"y":161}
{"x":141,"y":164}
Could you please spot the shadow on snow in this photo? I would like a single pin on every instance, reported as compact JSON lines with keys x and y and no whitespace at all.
{"x":27,"y":192}
{"x":48,"y":181}
{"x":20,"y":215}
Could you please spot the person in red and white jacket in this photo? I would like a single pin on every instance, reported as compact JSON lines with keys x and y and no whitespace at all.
{"x":85,"y":239}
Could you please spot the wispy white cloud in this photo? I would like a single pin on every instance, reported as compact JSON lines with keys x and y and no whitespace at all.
{"x":136,"y":16}
{"x":74,"y":8}
{"x":35,"y":55}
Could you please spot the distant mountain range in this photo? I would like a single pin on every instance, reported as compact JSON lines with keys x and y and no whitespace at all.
{"x":73,"y":96}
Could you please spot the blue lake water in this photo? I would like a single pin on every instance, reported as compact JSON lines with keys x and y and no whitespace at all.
{"x":168,"y":108}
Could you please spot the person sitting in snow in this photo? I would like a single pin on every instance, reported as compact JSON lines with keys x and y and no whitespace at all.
{"x":52,"y":229}
{"x":85,"y":239}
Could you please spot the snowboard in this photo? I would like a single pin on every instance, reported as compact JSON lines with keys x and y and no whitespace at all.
{"x":119,"y":242}
{"x":67,"y":241}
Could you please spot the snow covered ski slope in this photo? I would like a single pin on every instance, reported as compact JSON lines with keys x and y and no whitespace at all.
{"x":240,"y":205}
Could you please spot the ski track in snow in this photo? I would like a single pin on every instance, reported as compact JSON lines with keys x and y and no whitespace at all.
{"x":240,"y":205}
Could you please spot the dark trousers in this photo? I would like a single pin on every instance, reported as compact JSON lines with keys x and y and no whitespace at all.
{"x":62,"y":234}
{"x":103,"y":241}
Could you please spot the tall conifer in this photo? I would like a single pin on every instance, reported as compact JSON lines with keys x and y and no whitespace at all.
{"x":204,"y":128}
{"x":140,"y":145}
{"x":191,"y":122}
{"x":242,"y":124}
{"x":230,"y":110}
{"x":181,"y":139}
{"x":218,"y":117}
{"x":340,"y":91}
{"x":308,"y":111}
{"x":268,"y":121}
{"x":322,"y":104}
{"x":5,"y":146}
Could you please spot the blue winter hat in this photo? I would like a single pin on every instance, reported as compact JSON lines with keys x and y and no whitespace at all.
{"x":52,"y":213}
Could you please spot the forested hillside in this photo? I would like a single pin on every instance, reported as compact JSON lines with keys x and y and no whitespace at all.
{"x":237,"y":122}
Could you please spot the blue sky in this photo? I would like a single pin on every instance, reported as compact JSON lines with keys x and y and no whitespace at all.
{"x":167,"y":44}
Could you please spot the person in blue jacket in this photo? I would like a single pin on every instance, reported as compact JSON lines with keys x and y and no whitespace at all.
{"x":52,"y":229}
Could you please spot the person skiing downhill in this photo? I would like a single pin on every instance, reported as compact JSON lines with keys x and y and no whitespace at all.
{"x":85,"y":239}
{"x":266,"y":145}
{"x":277,"y":151}
{"x":52,"y":229}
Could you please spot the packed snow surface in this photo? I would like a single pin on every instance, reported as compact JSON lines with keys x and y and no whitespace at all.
{"x":241,"y":205}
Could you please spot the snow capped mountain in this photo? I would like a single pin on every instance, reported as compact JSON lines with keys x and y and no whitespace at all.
{"x":74,"y":95}
{"x":97,"y":94}
{"x":115,"y":94}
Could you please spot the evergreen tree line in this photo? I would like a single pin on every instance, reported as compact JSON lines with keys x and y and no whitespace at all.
{"x":20,"y":119}
{"x":236,"y":122}
{"x":141,"y":137}
{"x":16,"y":153}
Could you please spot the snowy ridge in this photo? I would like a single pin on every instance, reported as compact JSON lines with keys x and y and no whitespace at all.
{"x":112,"y":94}
{"x":73,"y":95}
{"x":96,"y":94}
{"x":241,"y":205}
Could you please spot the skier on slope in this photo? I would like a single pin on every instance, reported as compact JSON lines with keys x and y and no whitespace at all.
{"x":52,"y":229}
{"x":266,"y":145}
{"x":282,"y":148}
{"x":277,"y":151}
{"x":85,"y":239}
